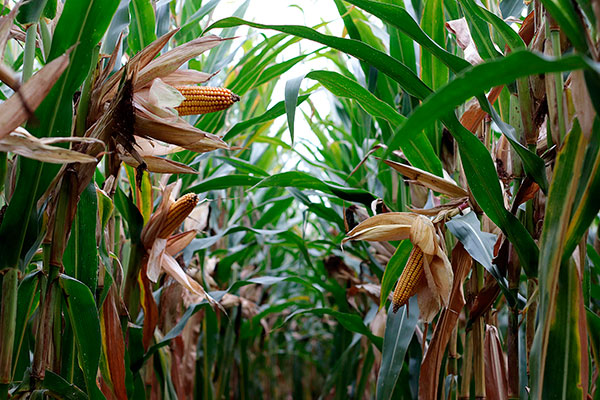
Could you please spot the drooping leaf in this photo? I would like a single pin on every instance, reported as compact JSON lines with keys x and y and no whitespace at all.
{"x":399,"y":330}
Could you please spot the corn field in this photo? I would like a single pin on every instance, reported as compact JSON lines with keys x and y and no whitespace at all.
{"x":345,"y":199}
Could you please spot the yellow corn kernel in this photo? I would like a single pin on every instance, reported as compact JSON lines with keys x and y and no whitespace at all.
{"x":407,"y":284}
{"x":204,"y":99}
{"x":178,"y":212}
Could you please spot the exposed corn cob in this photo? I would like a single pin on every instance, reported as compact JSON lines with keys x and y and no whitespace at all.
{"x":203,"y":99}
{"x":407,"y":284}
{"x":178,"y":212}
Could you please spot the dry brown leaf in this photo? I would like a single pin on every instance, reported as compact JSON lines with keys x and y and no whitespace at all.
{"x":6,"y":23}
{"x":114,"y":345}
{"x":25,"y":144}
{"x":18,"y":108}
{"x":428,"y":180}
{"x":169,"y":62}
{"x":460,"y":29}
{"x":383,"y":227}
{"x":149,"y":306}
{"x":430,"y":367}
{"x":496,"y":378}
{"x":159,"y":165}
{"x":584,"y":109}
{"x":177,"y":243}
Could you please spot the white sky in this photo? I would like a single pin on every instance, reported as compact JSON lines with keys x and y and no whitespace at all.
{"x":290,"y":12}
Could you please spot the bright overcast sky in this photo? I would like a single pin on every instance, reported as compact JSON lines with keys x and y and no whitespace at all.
{"x":299,"y":12}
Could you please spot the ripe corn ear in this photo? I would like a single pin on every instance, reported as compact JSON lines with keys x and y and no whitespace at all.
{"x":178,"y":212}
{"x":407,"y":284}
{"x":204,"y":99}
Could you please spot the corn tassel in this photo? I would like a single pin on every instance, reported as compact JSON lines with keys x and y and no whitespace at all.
{"x":204,"y":99}
{"x":178,"y":212}
{"x":410,"y":277}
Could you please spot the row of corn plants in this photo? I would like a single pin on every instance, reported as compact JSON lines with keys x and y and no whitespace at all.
{"x":436,"y":238}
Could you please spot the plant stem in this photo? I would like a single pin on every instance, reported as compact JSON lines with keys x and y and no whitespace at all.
{"x":8,"y":321}
{"x":478,"y":339}
{"x":512,"y":336}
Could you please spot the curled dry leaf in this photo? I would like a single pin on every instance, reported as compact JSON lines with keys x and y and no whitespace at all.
{"x":428,"y":180}
{"x":430,"y":367}
{"x":460,"y":29}
{"x":496,"y":378}
{"x":158,"y":165}
{"x":25,"y":144}
{"x":19,"y":107}
{"x":584,"y":109}
{"x":6,"y":25}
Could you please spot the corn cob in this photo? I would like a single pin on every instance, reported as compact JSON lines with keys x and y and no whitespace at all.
{"x":203,"y":99}
{"x":407,"y":284}
{"x":178,"y":212}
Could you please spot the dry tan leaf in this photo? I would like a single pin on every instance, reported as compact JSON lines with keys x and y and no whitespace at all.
{"x":586,"y":113}
{"x":173,"y":129}
{"x":428,"y":180}
{"x":177,"y":243}
{"x":430,"y":367}
{"x":169,"y":62}
{"x":186,"y":77}
{"x":6,"y":23}
{"x":496,"y":378}
{"x":198,"y":218}
{"x":24,"y":144}
{"x":13,"y":112}
{"x":460,"y":29}
{"x":174,"y":270}
{"x":383,"y":227}
{"x":159,"y":165}
{"x":473,"y":116}
{"x":113,"y":344}
{"x":107,"y":90}
{"x":154,"y":148}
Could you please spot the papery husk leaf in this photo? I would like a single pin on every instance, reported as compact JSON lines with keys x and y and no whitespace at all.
{"x":186,"y":77}
{"x":6,"y":23}
{"x":159,"y":165}
{"x":422,"y":234}
{"x":175,"y":58}
{"x":155,"y":259}
{"x":383,"y":227}
{"x":170,"y":128}
{"x":177,"y":243}
{"x":107,"y":90}
{"x":155,"y":224}
{"x":174,"y":270}
{"x":442,"y":274}
{"x":163,"y":95}
{"x":13,"y":112}
{"x":429,"y":302}
{"x":148,"y":147}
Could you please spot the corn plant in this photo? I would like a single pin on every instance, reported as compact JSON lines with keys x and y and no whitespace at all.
{"x":164,"y":232}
